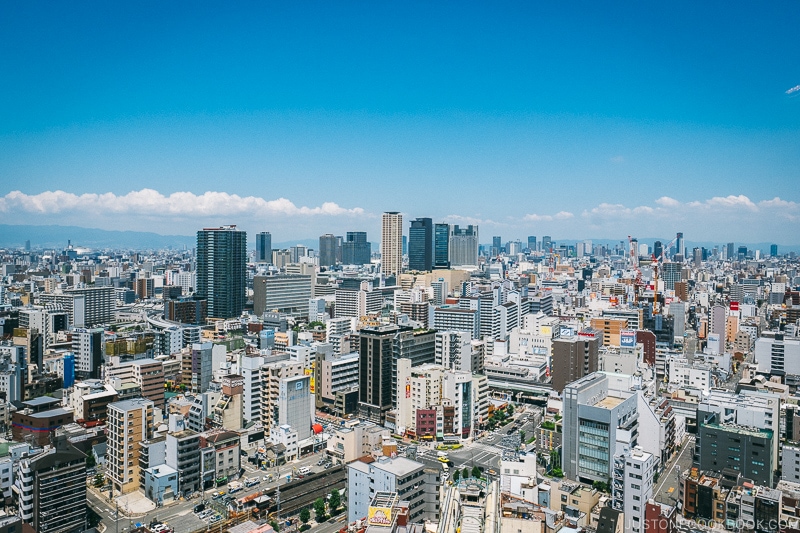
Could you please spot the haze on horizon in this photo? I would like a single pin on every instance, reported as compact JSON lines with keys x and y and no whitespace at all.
{"x":574,"y":120}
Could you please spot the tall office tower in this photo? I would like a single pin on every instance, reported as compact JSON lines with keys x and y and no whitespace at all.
{"x":773,"y":250}
{"x":547,"y":243}
{"x":327,"y":250}
{"x":671,"y":274}
{"x":741,"y":253}
{"x":392,"y":243}
{"x":296,"y":405}
{"x":658,"y":249}
{"x":376,"y":356}
{"x":697,"y":255}
{"x":264,"y":247}
{"x":420,"y":245}
{"x":51,"y":489}
{"x":129,"y":423}
{"x":532,"y":243}
{"x":201,"y":366}
{"x":497,"y":245}
{"x":339,"y":241}
{"x":441,"y":245}
{"x":730,"y":248}
{"x":463,"y":245}
{"x":573,"y":358}
{"x":356,"y":250}
{"x":680,"y":244}
{"x":221,"y":270}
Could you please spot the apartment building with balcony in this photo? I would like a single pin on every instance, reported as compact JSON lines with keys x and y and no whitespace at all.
{"x":51,"y":489}
{"x":130,"y":422}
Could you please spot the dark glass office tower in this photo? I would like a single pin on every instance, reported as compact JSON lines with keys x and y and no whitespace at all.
{"x":221,"y":270}
{"x":327,"y":250}
{"x":356,"y":250}
{"x":420,"y":245}
{"x":441,"y":246}
{"x":264,"y":247}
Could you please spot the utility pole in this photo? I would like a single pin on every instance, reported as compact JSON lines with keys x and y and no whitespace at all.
{"x":278,"y":500}
{"x":116,"y":521}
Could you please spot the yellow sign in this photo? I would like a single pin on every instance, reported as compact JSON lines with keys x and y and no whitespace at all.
{"x":379,"y":516}
{"x":546,"y":331}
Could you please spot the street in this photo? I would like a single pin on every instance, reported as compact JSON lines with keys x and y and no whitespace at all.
{"x":667,"y":489}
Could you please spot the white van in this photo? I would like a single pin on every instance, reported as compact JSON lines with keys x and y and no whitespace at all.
{"x":305,"y":470}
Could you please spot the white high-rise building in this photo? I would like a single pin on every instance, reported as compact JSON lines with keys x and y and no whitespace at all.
{"x":392,"y":243}
{"x":632,"y":484}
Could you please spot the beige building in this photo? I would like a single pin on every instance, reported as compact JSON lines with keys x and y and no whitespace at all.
{"x":610,"y":328}
{"x":147,"y":374}
{"x":227,"y":412}
{"x":392,"y":243}
{"x":355,"y":440}
{"x":129,"y":423}
{"x":271,"y":375}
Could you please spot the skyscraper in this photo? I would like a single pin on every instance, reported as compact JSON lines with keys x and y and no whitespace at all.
{"x":547,"y":243}
{"x":376,"y":355}
{"x":441,"y":245}
{"x":773,"y":250}
{"x":356,"y":250}
{"x":327,"y":250}
{"x":392,"y":243}
{"x":658,"y":249}
{"x":221,"y":269}
{"x":532,"y":243}
{"x":497,"y":247}
{"x":730,"y":248}
{"x":680,"y":244}
{"x":420,"y":245}
{"x":264,"y":247}
{"x":463,"y":245}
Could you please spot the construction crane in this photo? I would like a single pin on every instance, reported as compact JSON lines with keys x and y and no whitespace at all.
{"x":637,"y":281}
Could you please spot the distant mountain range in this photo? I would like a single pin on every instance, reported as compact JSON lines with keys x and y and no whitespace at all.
{"x":57,"y":237}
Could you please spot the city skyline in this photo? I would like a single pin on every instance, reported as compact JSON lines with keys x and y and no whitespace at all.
{"x":591,"y":122}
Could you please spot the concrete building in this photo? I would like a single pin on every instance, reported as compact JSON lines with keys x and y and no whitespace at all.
{"x":200,"y":368}
{"x":160,"y":484}
{"x":130,"y":422}
{"x":89,"y":400}
{"x":251,"y":396}
{"x":392,"y":243}
{"x":272,"y":374}
{"x":455,"y":350}
{"x":451,"y":318}
{"x":51,"y":489}
{"x":356,"y":250}
{"x":227,"y":411}
{"x":747,"y":450}
{"x":296,"y":405}
{"x":463,"y":246}
{"x":351,"y":303}
{"x":227,"y":455}
{"x":573,"y":358}
{"x":400,"y":475}
{"x":147,"y":374}
{"x":595,"y":417}
{"x":282,"y":293}
{"x":334,"y":373}
{"x":89,"y":347}
{"x":36,"y":423}
{"x":632,"y":485}
{"x":356,"y":439}
{"x":183,"y":454}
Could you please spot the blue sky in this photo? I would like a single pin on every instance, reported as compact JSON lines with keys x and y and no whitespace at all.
{"x":577,"y":120}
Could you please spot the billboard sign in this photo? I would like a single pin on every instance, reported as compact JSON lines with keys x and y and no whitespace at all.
{"x":379,"y":516}
{"x":627,"y":338}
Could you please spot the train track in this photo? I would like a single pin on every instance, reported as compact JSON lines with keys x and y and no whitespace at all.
{"x":295,"y":496}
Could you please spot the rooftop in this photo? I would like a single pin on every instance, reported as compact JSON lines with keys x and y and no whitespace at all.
{"x":609,"y":402}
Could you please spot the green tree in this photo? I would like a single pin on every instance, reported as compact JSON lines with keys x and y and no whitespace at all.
{"x":456,"y":475}
{"x":90,"y":460}
{"x":305,"y":515}
{"x":476,"y":472}
{"x":336,"y":499}
{"x":99,"y":480}
{"x":275,"y":525}
{"x":319,"y":510}
{"x":465,"y":473}
{"x":557,"y":472}
{"x":510,"y":409}
{"x":522,"y":436}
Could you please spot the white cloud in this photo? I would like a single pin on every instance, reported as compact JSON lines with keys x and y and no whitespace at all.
{"x":732,"y":201}
{"x":150,"y":202}
{"x":666,"y":201}
{"x":794,"y":89}
{"x":561,"y":215}
{"x":618,"y":159}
